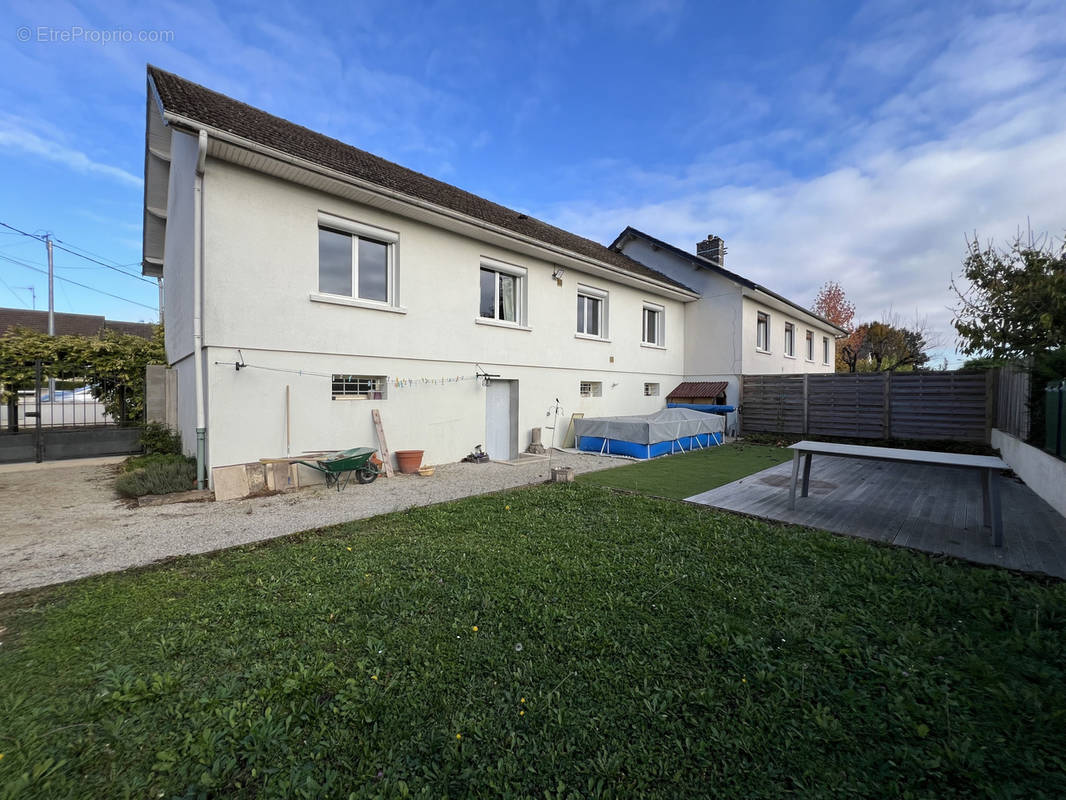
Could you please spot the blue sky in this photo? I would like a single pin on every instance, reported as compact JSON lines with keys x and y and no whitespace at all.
{"x":859,"y":142}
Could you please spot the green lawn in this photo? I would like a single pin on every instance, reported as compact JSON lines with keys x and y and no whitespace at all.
{"x":561,"y":641}
{"x":682,"y":476}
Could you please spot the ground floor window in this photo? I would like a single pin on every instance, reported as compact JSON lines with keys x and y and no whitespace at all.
{"x":359,"y":387}
{"x":591,"y":388}
{"x":651,"y":390}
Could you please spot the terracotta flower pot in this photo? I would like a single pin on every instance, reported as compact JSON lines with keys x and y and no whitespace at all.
{"x":409,"y":460}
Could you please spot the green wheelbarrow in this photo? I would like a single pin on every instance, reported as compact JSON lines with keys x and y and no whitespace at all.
{"x":339,"y":467}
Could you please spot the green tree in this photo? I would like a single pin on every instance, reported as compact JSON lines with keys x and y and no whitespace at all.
{"x":1012,"y":303}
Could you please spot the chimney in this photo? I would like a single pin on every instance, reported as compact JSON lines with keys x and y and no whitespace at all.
{"x":713,"y":249}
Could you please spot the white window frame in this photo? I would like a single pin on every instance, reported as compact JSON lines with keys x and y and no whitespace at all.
{"x":590,"y":388}
{"x":660,"y":325}
{"x":651,"y":389}
{"x":361,"y":230}
{"x":359,"y":387}
{"x":762,"y":331}
{"x":604,"y":298}
{"x":825,"y":351}
{"x":521,"y":276}
{"x":808,"y":342}
{"x":790,"y":340}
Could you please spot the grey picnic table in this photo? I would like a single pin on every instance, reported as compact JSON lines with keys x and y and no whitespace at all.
{"x":988,"y":466}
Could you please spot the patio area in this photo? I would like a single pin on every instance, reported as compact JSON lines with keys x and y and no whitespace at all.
{"x":930,"y":508}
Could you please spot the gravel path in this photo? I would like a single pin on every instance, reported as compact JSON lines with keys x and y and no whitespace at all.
{"x":64,"y":522}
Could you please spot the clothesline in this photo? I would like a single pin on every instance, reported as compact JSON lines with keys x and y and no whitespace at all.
{"x":395,"y":381}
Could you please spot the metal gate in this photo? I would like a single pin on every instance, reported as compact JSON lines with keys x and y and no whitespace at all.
{"x":69,"y":413}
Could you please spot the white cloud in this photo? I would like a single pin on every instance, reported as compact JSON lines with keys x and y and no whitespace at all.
{"x":16,"y":134}
{"x":975,"y":140}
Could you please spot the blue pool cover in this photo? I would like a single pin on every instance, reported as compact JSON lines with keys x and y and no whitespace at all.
{"x":670,"y":430}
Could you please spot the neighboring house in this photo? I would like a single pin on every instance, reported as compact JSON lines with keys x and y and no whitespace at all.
{"x":307,"y":282}
{"x":738,"y":327}
{"x":70,"y":324}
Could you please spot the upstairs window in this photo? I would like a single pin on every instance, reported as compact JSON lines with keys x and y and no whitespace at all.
{"x":503,"y":290}
{"x":591,"y":312}
{"x":762,"y":332}
{"x":810,"y":345}
{"x":652,"y":325}
{"x":356,"y":260}
{"x":790,"y":340}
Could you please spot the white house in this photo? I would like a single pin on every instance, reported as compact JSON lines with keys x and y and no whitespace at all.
{"x":737,"y":327}
{"x":307,"y":282}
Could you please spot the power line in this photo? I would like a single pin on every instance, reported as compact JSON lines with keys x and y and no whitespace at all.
{"x":82,"y":285}
{"x":17,"y":298}
{"x":56,"y":244}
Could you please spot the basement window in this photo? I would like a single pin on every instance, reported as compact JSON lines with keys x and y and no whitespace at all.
{"x":359,"y":387}
{"x":591,"y":389}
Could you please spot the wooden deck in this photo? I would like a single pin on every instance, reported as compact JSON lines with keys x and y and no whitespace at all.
{"x":930,"y":508}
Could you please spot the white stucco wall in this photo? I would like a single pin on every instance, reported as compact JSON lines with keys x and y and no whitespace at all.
{"x":186,"y":402}
{"x":446,"y":420}
{"x":261,"y":264}
{"x":712,"y":324}
{"x":775,"y":362}
{"x":178,"y":248}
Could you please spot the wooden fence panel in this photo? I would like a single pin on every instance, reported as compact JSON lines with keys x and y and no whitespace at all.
{"x":1012,"y":401}
{"x":905,"y":405}
{"x":773,"y":403}
{"x":851,"y":408}
{"x":940,"y":405}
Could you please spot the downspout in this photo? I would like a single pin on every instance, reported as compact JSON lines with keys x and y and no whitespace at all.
{"x":197,"y":307}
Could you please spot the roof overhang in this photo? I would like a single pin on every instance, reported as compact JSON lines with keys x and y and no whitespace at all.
{"x":156,"y":184}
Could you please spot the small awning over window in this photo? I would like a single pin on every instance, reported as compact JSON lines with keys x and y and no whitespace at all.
{"x":697,"y":390}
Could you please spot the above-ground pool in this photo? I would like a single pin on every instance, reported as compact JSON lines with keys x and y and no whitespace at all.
{"x":672,"y":430}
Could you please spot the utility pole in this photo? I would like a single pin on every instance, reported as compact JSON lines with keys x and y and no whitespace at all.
{"x":51,"y":288}
{"x":51,"y":332}
{"x":33,"y":294}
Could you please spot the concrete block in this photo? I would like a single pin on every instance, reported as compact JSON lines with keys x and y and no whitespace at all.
{"x":562,"y":474}
{"x":231,"y":483}
{"x":281,"y":476}
{"x":257,"y":481}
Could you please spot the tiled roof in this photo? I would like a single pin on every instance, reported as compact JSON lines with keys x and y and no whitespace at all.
{"x":200,"y":104}
{"x":69,"y":324}
{"x":697,"y":389}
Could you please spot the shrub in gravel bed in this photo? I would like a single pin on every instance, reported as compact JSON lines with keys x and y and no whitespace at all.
{"x":156,"y":474}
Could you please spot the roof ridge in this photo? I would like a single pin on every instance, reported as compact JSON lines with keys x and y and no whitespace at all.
{"x":177,"y":95}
